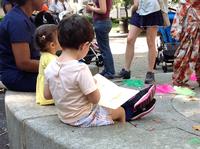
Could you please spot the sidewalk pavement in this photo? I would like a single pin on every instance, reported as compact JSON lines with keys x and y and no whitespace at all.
{"x":168,"y":126}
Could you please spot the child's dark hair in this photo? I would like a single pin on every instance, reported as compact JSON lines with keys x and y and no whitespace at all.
{"x":73,"y":31}
{"x":44,"y":35}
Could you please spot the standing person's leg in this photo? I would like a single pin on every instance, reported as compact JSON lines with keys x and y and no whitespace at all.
{"x":130,"y":47}
{"x":102,"y":29}
{"x":134,"y":32}
{"x":151,"y":42}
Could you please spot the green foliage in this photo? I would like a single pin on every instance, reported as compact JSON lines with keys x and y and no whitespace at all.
{"x":89,"y":18}
{"x":127,"y":2}
{"x":175,"y":1}
{"x":1,"y":18}
{"x":115,"y":2}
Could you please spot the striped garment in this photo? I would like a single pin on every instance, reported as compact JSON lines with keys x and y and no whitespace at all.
{"x":99,"y":116}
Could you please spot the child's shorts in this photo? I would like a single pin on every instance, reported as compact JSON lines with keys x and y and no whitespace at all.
{"x":99,"y":116}
{"x":152,"y":19}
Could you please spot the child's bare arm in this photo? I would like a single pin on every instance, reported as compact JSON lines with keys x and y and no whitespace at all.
{"x":47,"y":93}
{"x":94,"y":97}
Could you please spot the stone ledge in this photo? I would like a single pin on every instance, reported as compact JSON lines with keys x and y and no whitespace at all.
{"x":31,"y":126}
{"x":20,"y":108}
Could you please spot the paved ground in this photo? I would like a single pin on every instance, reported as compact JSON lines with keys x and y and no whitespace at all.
{"x":172,"y":119}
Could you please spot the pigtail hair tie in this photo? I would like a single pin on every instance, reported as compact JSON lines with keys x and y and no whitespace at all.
{"x":43,"y":37}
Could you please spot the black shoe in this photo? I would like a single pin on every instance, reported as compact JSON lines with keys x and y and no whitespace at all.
{"x":141,"y":99}
{"x":139,"y":113}
{"x":108,"y":76}
{"x":102,"y":73}
{"x":150,"y":79}
{"x":125,"y":74}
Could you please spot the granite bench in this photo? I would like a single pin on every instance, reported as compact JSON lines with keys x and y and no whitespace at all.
{"x":31,"y":126}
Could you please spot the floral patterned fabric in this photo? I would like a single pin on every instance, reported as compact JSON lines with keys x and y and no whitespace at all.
{"x":186,"y":29}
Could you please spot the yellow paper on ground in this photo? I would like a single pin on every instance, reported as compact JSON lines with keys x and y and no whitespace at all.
{"x":112,"y":96}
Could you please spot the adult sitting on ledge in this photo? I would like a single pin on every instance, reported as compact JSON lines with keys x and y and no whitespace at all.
{"x":19,"y":61}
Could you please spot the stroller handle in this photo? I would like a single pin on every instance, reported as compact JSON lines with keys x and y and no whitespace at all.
{"x":172,"y":9}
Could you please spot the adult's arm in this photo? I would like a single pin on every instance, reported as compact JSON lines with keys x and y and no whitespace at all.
{"x":8,"y":7}
{"x":102,"y":7}
{"x":23,"y":59}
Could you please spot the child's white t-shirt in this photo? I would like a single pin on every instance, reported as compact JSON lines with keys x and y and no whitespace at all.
{"x":69,"y":83}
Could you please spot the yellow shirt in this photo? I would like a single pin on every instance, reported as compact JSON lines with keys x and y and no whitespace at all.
{"x":45,"y":59}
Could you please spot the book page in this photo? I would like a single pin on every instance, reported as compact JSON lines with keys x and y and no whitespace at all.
{"x":112,"y":96}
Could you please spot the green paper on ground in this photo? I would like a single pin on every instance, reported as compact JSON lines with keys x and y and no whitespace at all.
{"x":184,"y":91}
{"x":133,"y":83}
{"x":194,"y":141}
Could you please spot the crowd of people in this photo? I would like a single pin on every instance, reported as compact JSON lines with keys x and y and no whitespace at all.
{"x":28,"y":60}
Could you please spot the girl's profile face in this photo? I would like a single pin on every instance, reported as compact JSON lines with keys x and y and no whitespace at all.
{"x":37,"y":4}
{"x":57,"y":44}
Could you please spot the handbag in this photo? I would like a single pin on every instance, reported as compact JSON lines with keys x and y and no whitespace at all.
{"x":164,"y":9}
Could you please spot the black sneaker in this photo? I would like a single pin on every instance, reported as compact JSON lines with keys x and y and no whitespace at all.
{"x":139,"y":113}
{"x":150,"y":79}
{"x":124,"y":74}
{"x":141,"y":99}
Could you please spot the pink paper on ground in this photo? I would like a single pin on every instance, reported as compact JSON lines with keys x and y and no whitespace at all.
{"x":164,"y":89}
{"x":193,"y":77}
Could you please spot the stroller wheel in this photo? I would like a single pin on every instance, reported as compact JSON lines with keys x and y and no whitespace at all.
{"x":99,"y":61}
{"x":164,"y":67}
{"x":157,"y":62}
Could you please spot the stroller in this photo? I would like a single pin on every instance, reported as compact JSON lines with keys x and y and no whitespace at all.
{"x":167,"y":45}
{"x":94,"y":54}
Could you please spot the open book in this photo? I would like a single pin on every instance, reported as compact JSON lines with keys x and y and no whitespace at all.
{"x":112,"y":96}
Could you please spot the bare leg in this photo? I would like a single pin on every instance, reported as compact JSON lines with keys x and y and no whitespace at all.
{"x":118,"y":114}
{"x":132,"y":36}
{"x":151,"y":41}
